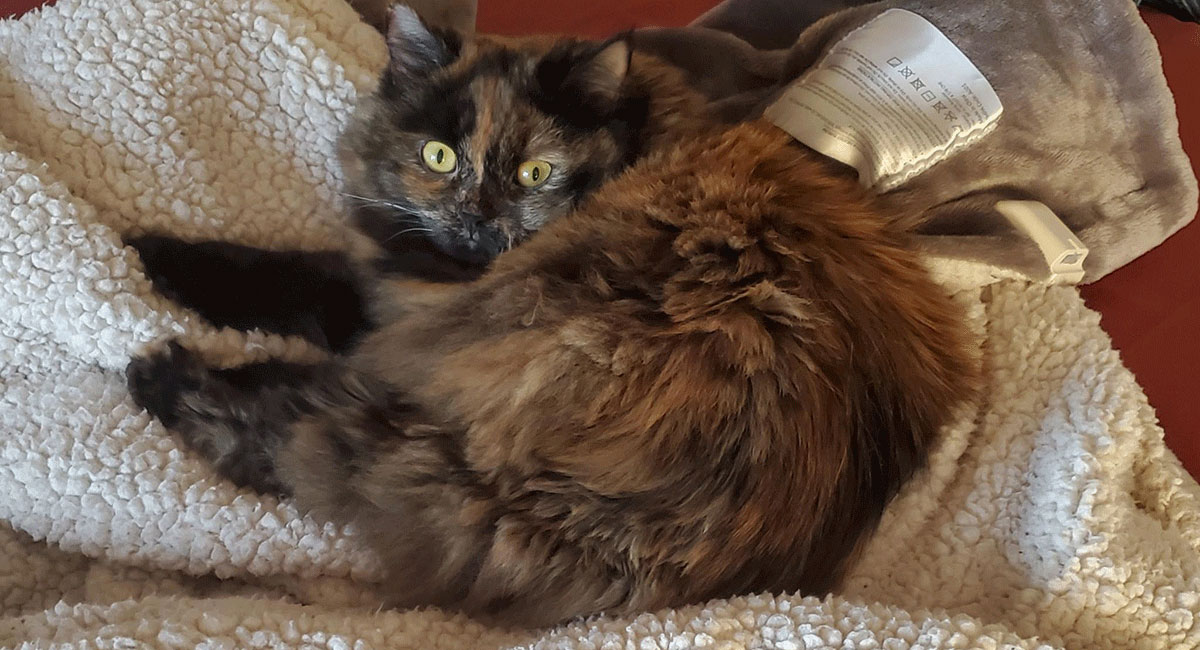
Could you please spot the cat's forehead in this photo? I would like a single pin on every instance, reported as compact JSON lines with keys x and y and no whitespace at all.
{"x":493,"y":83}
{"x":498,"y":72}
{"x":495,"y":93}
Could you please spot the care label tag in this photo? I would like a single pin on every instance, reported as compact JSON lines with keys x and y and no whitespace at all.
{"x":891,"y":99}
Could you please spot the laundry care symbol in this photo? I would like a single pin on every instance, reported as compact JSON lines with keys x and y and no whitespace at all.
{"x":909,"y":75}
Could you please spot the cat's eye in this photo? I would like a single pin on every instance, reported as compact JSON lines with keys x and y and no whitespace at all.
{"x":439,"y":157}
{"x":532,"y":173}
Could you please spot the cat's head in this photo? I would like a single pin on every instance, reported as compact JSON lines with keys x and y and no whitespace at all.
{"x":474,"y":144}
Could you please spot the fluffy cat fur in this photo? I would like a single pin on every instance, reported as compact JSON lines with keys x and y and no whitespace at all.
{"x":707,"y":379}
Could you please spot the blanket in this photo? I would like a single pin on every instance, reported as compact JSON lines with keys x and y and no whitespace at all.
{"x":1051,"y":515}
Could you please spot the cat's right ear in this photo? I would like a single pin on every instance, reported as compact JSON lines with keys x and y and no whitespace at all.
{"x":416,"y":50}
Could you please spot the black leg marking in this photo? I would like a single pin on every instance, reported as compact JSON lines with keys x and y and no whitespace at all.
{"x":310,"y":294}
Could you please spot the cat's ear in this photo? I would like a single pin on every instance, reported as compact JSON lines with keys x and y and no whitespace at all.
{"x":591,"y":74}
{"x":603,"y":72}
{"x":415,"y":49}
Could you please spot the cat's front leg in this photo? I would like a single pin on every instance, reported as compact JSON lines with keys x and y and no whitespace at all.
{"x":314,"y":294}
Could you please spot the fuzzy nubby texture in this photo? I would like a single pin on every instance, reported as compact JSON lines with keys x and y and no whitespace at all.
{"x":1054,"y":515}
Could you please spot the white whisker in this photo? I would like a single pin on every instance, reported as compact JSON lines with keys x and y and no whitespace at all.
{"x":371,"y":201}
{"x":358,"y":198}
{"x":406,"y":231}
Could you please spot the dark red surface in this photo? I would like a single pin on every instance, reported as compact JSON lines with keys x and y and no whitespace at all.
{"x":17,"y":7}
{"x":586,"y":17}
{"x":1151,"y":307}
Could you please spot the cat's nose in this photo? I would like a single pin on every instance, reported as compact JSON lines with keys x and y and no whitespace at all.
{"x":471,"y":222}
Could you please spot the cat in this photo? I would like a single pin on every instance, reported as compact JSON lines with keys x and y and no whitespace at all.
{"x":708,"y":378}
{"x":415,"y":214}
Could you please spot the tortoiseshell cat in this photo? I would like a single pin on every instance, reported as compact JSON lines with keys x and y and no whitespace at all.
{"x":708,"y":379}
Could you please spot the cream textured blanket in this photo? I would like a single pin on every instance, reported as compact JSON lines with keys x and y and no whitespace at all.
{"x":1054,"y":515}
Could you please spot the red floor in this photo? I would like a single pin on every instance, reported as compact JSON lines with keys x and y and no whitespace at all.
{"x":1151,"y":307}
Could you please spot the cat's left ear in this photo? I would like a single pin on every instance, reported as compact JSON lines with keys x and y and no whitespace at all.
{"x":591,"y":74}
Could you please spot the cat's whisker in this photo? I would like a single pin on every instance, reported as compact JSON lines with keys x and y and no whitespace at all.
{"x":360,"y":198}
{"x":406,"y":231}
{"x":371,"y":201}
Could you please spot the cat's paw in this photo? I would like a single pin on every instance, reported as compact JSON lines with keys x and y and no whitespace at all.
{"x":160,"y":380}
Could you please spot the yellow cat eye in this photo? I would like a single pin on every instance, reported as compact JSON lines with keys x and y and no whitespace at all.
{"x":439,"y":157}
{"x":532,"y":173}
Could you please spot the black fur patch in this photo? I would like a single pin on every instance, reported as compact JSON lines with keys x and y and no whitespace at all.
{"x":444,"y":111}
{"x":310,"y":294}
{"x":159,"y":382}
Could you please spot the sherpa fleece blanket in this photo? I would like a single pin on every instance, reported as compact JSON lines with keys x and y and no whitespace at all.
{"x":1051,"y":516}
